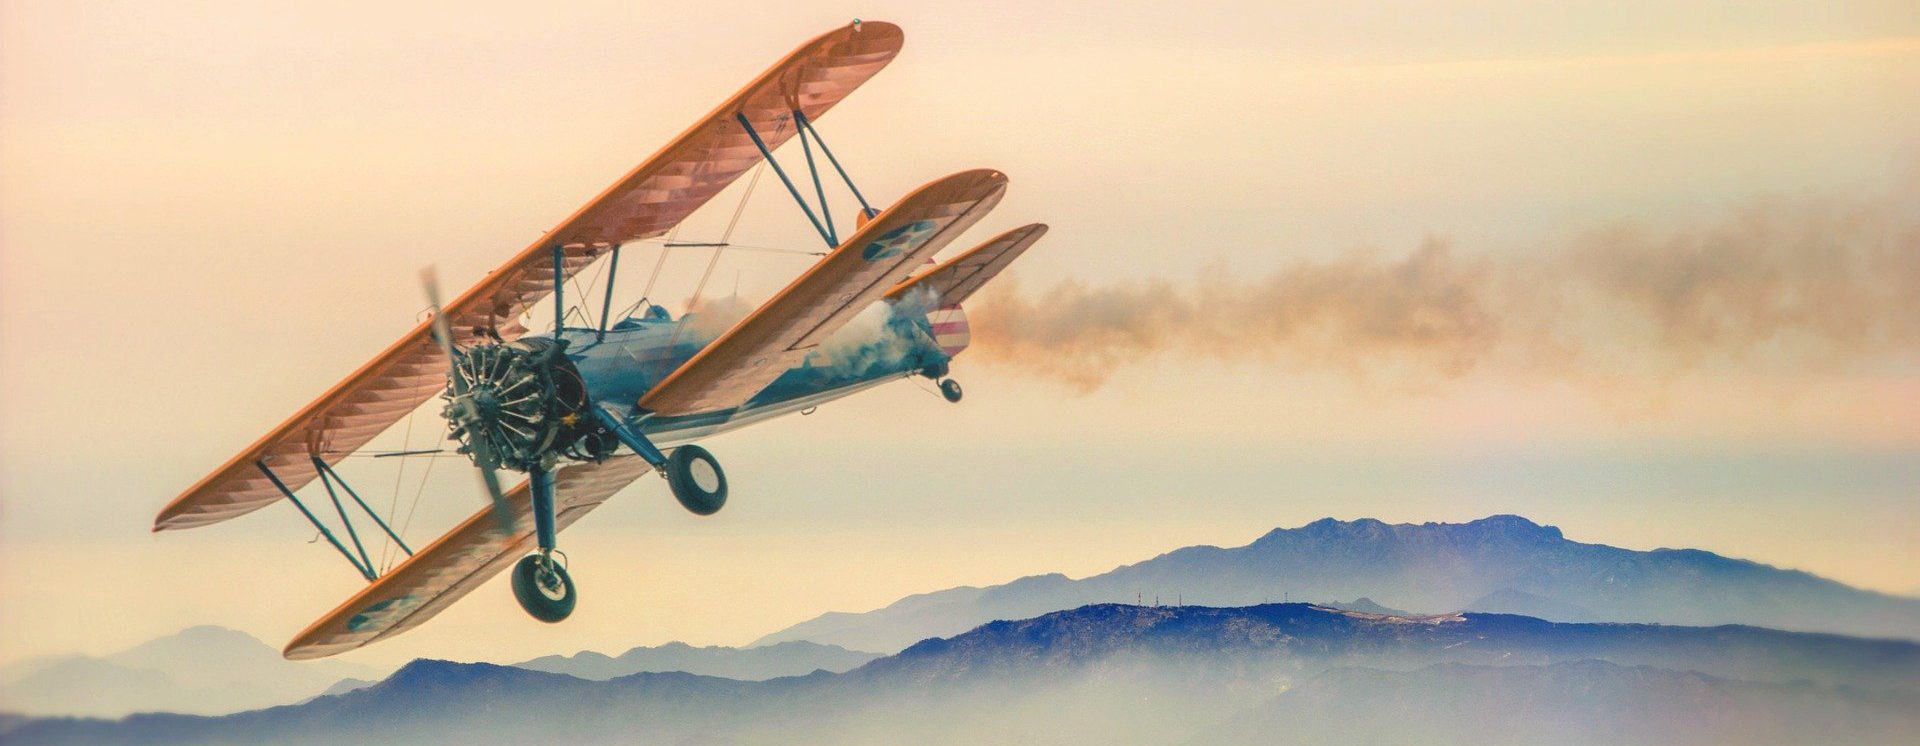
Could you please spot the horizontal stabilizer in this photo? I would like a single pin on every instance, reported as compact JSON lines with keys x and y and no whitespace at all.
{"x":959,"y":277}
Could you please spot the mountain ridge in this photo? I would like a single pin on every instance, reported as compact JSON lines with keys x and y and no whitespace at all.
{"x":792,"y":658}
{"x":204,"y":669}
{"x":1126,"y":673}
{"x":1509,"y":561}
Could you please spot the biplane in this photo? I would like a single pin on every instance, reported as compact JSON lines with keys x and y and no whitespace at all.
{"x":584,"y":411}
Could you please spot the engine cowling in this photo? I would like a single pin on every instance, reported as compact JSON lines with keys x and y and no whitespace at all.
{"x":524,"y":398}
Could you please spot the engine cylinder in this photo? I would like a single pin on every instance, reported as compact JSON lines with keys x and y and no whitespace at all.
{"x":521,"y":399}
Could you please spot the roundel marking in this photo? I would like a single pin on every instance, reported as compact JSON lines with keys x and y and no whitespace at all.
{"x":380,"y":613}
{"x":897,"y":241}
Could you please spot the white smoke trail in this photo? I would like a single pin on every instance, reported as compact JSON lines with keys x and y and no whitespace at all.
{"x":1782,"y":286}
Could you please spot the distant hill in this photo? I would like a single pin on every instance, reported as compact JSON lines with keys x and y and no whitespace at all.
{"x":202,"y":670}
{"x":1367,"y":606}
{"x":1502,"y":563}
{"x":1290,"y":673}
{"x":794,"y":658}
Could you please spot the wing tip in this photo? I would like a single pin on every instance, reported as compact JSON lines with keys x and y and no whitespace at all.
{"x":169,"y":519}
{"x":1032,"y":231}
{"x":296,"y":650}
{"x":875,"y":30}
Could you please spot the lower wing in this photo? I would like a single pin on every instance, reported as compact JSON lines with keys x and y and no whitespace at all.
{"x":469,"y":555}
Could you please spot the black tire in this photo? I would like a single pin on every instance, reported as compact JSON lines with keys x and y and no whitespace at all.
{"x":549,"y":601}
{"x":697,"y":480}
{"x":951,"y":390}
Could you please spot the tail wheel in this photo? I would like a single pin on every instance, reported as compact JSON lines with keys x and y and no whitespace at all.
{"x":696,"y":480}
{"x":543,"y":588}
{"x":951,"y":390}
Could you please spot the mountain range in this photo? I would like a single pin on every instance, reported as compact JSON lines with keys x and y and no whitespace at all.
{"x":209,"y":670}
{"x":1503,"y":563}
{"x":1270,"y":673}
{"x":204,"y":670}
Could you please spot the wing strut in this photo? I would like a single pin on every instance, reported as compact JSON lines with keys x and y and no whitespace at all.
{"x":326,"y":472}
{"x":606,"y":305}
{"x":826,"y":234}
{"x":823,"y":222}
{"x":814,"y":171}
{"x":365,"y":571}
{"x":806,"y":128}
{"x":362,"y":564}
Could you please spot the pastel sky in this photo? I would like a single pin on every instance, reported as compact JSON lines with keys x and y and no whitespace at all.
{"x":211,"y":211}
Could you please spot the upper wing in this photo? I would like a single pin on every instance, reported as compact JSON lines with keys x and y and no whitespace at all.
{"x":957,"y":278}
{"x":459,"y":562}
{"x":648,"y":201}
{"x":780,"y":332}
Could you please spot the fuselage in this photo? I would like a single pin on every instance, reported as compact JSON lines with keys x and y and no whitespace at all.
{"x":639,"y":351}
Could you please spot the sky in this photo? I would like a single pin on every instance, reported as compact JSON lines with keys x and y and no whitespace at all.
{"x":1643,"y":270}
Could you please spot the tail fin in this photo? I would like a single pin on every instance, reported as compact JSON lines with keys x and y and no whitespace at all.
{"x":950,"y":329}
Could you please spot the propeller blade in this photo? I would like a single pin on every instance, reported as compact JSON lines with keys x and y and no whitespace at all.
{"x":430,"y":283}
{"x":491,"y":480}
{"x":462,"y":410}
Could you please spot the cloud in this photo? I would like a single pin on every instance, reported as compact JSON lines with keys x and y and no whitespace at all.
{"x":1777,"y":285}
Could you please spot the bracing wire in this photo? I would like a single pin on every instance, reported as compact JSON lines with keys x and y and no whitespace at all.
{"x":393,"y":505}
{"x":586,"y":314}
{"x":747,"y":248}
{"x":718,"y":249}
{"x":413,"y":505}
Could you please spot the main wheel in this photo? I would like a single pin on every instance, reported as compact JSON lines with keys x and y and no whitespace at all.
{"x":543,"y":588}
{"x":951,"y":390}
{"x":696,"y":480}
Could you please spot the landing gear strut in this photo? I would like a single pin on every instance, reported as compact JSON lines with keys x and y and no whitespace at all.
{"x":540,"y":583}
{"x":693,"y":474}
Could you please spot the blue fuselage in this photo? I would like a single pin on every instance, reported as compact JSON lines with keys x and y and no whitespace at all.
{"x":639,"y":352}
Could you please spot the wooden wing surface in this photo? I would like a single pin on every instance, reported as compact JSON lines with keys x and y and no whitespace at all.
{"x":647,"y":202}
{"x":958,"y":278}
{"x":778,"y":334}
{"x":464,"y":559}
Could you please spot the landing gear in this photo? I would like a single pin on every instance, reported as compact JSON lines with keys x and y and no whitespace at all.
{"x":692,"y":473}
{"x":543,"y":588}
{"x":540,"y":584}
{"x":951,"y":390}
{"x":696,"y":480}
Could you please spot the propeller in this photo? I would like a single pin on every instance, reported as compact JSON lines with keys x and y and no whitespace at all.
{"x":462,"y":410}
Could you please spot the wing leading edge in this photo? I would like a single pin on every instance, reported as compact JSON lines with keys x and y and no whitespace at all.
{"x":647,"y":202}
